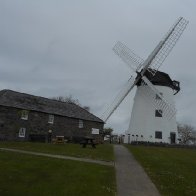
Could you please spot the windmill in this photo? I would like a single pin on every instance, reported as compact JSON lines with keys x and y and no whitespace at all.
{"x":153,"y":114}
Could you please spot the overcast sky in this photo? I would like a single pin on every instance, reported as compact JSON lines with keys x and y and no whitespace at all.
{"x":51,"y":48}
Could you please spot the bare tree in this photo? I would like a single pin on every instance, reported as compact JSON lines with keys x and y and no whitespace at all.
{"x":108,"y":131}
{"x":185,"y":133}
{"x":87,"y":108}
{"x":193,"y":137}
{"x":70,"y":99}
{"x":67,"y":99}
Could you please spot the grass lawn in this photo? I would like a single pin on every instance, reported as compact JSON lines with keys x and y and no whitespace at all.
{"x":102,"y":151}
{"x":172,"y":170}
{"x":31,"y":175}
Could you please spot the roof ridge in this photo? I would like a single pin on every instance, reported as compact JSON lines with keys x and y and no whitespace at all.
{"x":37,"y":96}
{"x":13,"y":98}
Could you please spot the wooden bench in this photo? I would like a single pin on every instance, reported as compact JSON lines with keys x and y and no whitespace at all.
{"x":58,"y":140}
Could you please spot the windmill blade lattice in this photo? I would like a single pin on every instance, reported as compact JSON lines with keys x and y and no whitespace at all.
{"x":150,"y":92}
{"x":119,"y":98}
{"x":167,"y":44}
{"x":128,"y":56}
{"x":152,"y":64}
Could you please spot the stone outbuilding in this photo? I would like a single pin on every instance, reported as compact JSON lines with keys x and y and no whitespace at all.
{"x":25,"y":117}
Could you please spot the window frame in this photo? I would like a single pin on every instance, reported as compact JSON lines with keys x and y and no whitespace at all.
{"x":51,"y":118}
{"x":159,"y":113}
{"x":157,"y":97}
{"x":158,"y":135}
{"x":25,"y":115}
{"x":80,"y":124}
{"x":22,"y":132}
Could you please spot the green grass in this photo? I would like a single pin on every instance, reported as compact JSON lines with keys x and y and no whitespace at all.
{"x":102,"y":151}
{"x":31,"y":175}
{"x":173,"y":170}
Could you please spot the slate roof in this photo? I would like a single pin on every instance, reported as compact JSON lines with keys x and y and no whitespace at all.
{"x":25,"y":101}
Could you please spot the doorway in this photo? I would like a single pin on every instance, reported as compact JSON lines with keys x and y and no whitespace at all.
{"x":173,"y":138}
{"x":129,"y":138}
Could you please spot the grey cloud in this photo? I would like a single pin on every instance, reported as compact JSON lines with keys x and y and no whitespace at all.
{"x":53,"y":48}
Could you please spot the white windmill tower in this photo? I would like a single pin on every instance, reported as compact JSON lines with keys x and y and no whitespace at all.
{"x":153,"y":115}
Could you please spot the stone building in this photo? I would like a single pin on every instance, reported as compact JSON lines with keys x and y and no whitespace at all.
{"x":25,"y":117}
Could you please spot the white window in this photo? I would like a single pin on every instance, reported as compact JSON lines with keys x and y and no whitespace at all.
{"x":81,"y":124}
{"x":158,"y":97}
{"x":158,"y":113}
{"x":22,"y":132}
{"x":24,"y":115}
{"x":51,"y":119}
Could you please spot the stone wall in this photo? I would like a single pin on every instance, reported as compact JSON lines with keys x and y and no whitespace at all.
{"x":37,"y":124}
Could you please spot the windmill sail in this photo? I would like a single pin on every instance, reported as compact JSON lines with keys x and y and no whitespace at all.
{"x":150,"y":93}
{"x":128,"y":56}
{"x":159,"y":54}
{"x":152,"y":64}
{"x":166,"y":45}
{"x":119,"y":98}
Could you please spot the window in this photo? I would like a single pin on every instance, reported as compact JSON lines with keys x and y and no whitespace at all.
{"x":22,"y":132}
{"x":81,"y":124}
{"x":158,"y":97}
{"x":51,"y":119}
{"x":158,"y":134}
{"x":24,"y":115}
{"x":158,"y":113}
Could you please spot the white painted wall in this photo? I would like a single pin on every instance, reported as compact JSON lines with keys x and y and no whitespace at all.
{"x":144,"y":123}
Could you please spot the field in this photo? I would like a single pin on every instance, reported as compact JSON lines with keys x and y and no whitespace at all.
{"x":102,"y":151}
{"x":29,"y":175}
{"x":172,"y":170}
{"x":22,"y":174}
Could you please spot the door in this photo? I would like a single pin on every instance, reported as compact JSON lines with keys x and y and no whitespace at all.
{"x":128,"y":138}
{"x":173,"y":138}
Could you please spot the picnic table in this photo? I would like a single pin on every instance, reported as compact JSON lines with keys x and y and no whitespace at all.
{"x":58,"y":140}
{"x":88,"y":141}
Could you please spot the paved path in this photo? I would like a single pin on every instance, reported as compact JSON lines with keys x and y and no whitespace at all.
{"x":108,"y":163}
{"x":131,"y":178}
